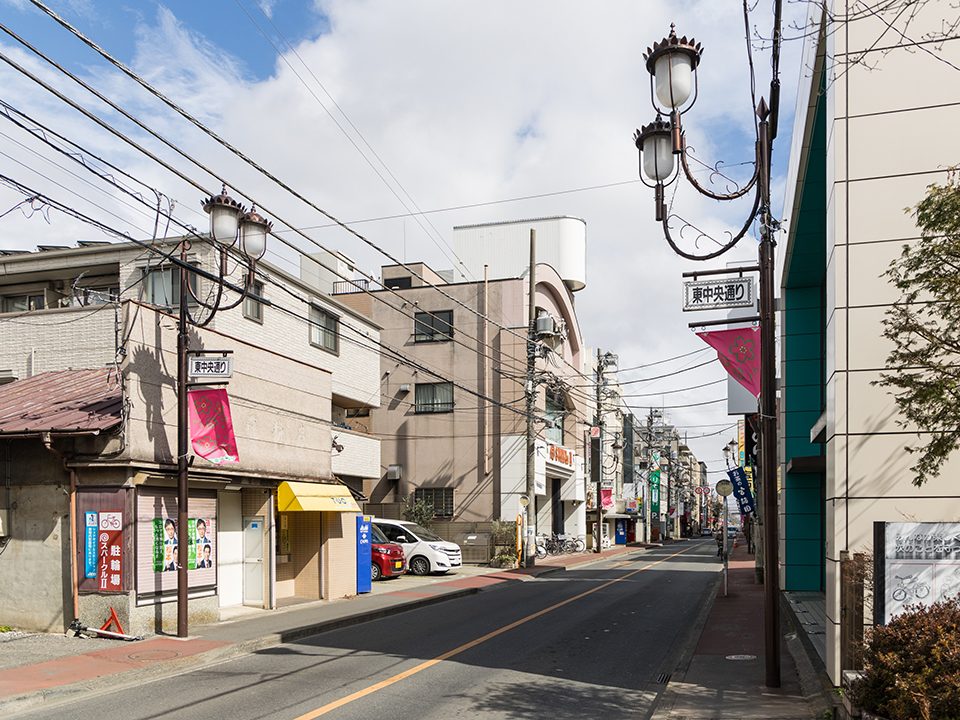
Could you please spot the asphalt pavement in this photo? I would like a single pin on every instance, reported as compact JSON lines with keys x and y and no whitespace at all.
{"x":720,"y":671}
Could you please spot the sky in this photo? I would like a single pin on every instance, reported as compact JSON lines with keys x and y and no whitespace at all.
{"x":406,"y":119}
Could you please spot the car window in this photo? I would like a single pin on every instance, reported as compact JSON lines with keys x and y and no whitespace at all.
{"x":378,"y":535}
{"x":391,"y":532}
{"x":424,"y":534}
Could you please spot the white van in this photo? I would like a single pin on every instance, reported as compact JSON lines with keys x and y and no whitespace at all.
{"x":426,"y":552}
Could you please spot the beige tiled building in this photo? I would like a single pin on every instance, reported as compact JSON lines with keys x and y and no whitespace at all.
{"x":451,"y":421}
{"x":874,"y":127}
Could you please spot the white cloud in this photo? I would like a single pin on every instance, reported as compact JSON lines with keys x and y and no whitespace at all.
{"x":463,"y":103}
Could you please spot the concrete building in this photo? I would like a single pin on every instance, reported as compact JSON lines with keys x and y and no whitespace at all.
{"x":88,"y":330}
{"x":452,"y":421}
{"x":873,"y":129}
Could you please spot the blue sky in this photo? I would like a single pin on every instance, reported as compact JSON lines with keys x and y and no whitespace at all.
{"x":387,"y":107}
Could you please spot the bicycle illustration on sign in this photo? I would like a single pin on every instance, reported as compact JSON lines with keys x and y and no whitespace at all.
{"x":909,"y":586}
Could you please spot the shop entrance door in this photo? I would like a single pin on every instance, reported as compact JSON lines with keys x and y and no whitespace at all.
{"x":253,"y":560}
{"x":556,"y":506}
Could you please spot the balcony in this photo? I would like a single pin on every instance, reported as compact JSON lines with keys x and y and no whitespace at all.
{"x":344,"y":287}
{"x":360,"y":456}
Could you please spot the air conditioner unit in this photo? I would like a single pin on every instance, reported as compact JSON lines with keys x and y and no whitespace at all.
{"x":394,"y":472}
{"x":546,"y":325}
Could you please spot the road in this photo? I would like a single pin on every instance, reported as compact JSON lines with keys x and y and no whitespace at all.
{"x":597,"y":641}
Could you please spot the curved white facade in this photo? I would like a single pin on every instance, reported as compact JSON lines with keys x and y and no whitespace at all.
{"x":505,"y":248}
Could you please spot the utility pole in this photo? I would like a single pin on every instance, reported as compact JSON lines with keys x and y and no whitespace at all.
{"x":596,"y":448}
{"x":183,"y":537}
{"x":530,"y":540}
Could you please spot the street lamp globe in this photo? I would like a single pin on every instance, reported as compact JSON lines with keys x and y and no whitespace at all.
{"x":672,"y":64}
{"x":224,"y":214}
{"x":253,"y":234}
{"x":656,"y":150}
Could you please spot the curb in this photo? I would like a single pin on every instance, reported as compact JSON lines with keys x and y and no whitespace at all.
{"x":814,"y":681}
{"x":678,"y":662}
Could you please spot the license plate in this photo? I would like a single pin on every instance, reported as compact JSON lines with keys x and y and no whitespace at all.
{"x":397,"y":565}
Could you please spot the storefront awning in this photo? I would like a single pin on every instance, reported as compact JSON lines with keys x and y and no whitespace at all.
{"x":315,"y":497}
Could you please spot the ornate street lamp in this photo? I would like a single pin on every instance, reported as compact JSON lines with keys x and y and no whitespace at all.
{"x":672,"y":64}
{"x":228,"y":223}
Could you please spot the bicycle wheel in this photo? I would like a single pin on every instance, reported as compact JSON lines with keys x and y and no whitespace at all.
{"x":541,"y":552}
{"x":554,"y":547}
{"x":581,"y":545}
{"x":570,"y":546}
{"x":922,"y":591}
{"x":899,"y":595}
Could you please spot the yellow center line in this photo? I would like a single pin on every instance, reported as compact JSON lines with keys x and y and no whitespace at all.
{"x":473,"y":643}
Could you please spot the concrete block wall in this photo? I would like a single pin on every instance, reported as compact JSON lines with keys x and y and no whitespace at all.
{"x":46,"y":340}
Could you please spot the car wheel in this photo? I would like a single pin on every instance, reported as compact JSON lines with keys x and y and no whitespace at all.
{"x":420,"y":566}
{"x":375,"y":573}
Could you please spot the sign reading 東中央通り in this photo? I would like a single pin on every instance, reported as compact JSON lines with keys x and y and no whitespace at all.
{"x":210,"y":367}
{"x":718,"y":294}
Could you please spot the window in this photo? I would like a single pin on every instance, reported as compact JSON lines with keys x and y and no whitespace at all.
{"x":161,"y":286}
{"x":358,"y":412}
{"x":440,"y":498}
{"x":97,"y":296}
{"x":253,"y":308}
{"x":434,"y":397}
{"x":433,"y":327}
{"x":324,"y":330}
{"x":399,"y":283}
{"x":22,"y":303}
{"x":554,"y":415}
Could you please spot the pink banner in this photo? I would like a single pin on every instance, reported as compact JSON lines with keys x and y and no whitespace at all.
{"x":739,"y":353}
{"x":606,"y":497}
{"x":211,"y":426}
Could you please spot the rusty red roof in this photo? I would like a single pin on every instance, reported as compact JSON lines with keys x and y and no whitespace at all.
{"x":61,"y":401}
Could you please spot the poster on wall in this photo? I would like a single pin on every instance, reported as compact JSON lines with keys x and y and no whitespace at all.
{"x":166,"y":542}
{"x":92,"y":524}
{"x":919,"y":565}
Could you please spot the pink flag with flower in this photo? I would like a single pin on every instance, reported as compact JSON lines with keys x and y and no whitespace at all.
{"x":739,"y":353}
{"x":211,"y":426}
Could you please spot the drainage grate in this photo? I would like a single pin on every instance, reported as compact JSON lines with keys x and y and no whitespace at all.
{"x":664,"y":678}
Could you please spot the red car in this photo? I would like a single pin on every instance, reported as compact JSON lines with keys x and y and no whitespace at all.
{"x":387,"y":558}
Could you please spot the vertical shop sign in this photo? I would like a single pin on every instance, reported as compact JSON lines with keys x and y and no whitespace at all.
{"x":110,"y":552}
{"x":90,"y":545}
{"x":741,"y":490}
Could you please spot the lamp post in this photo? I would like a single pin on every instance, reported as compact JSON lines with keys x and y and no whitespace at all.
{"x":228,"y":222}
{"x":672,"y":64}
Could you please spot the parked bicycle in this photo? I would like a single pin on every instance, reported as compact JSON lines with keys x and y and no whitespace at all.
{"x":558,"y":544}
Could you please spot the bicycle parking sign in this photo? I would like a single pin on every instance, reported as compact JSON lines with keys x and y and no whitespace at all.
{"x":920,"y":565}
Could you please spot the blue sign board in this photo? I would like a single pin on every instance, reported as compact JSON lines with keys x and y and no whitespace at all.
{"x":741,"y":490}
{"x":364,"y":557}
{"x":90,"y":547}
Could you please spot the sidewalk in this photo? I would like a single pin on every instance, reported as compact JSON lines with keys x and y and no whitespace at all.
{"x":707,"y":686}
{"x":724,"y":674}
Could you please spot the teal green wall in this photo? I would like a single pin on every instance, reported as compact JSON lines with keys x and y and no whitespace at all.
{"x":802,"y":384}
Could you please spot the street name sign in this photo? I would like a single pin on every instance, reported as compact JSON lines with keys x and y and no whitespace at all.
{"x":210,"y":368}
{"x":718,"y":294}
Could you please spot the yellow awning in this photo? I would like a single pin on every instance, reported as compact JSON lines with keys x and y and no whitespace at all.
{"x":315,"y":497}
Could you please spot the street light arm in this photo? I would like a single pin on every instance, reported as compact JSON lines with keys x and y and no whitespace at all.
{"x":716,"y":253}
{"x":709,"y":193}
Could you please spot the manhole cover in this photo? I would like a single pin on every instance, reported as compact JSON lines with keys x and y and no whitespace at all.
{"x":153,"y":655}
{"x":741,"y":657}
